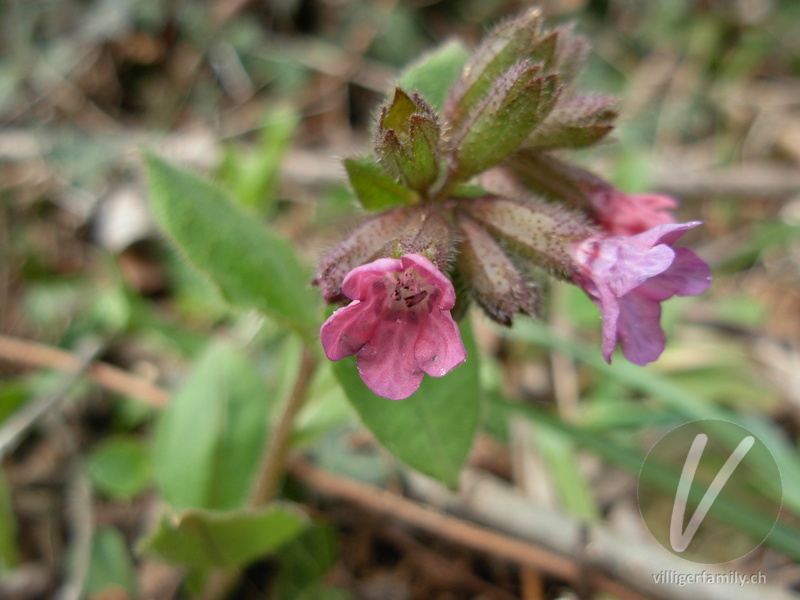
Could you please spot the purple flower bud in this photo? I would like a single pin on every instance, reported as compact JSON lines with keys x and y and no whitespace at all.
{"x":399,"y":325}
{"x":629,"y":277}
{"x":619,"y":213}
{"x":616,"y":212}
{"x":498,"y":284}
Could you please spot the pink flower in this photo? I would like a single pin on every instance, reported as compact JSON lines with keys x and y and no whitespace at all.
{"x":619,"y":213}
{"x":398,"y":324}
{"x":629,"y":277}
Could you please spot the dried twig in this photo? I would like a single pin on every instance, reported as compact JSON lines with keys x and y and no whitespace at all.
{"x":15,"y":427}
{"x":473,"y":536}
{"x":486,"y":500}
{"x":113,"y":379}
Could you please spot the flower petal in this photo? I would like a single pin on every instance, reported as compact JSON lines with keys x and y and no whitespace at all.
{"x":428,"y":271}
{"x":439,"y":347}
{"x":624,"y":214}
{"x":387,"y":364}
{"x":688,"y":275}
{"x":358,"y":282}
{"x":609,"y":313}
{"x":620,"y":265}
{"x":349,"y":328}
{"x":639,"y":328}
{"x":667,"y":233}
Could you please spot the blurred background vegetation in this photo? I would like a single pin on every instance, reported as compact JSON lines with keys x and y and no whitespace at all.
{"x":267,"y":97}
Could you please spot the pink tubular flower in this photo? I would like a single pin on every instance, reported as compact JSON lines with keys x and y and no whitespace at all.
{"x":619,"y":213}
{"x":629,"y":277}
{"x":398,"y":323}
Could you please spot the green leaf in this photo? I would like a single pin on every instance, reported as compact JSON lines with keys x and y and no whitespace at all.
{"x":680,"y":401}
{"x":252,"y":265}
{"x":434,"y":74}
{"x":432,"y":430}
{"x":783,"y":537}
{"x":252,"y":179}
{"x":111,"y":565}
{"x":207,"y":539}
{"x":210,"y":436}
{"x":120,"y":467}
{"x":304,"y":561}
{"x":8,"y":528}
{"x":574,"y":491}
{"x":375,"y":189}
{"x":325,"y":409}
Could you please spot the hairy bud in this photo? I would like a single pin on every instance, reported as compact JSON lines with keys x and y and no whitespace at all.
{"x":407,"y":140}
{"x":509,"y":42}
{"x":516,"y":103}
{"x":570,"y":53}
{"x":577,"y":122}
{"x":423,"y":230}
{"x":544,"y":174}
{"x":539,"y":230}
{"x":495,"y":281}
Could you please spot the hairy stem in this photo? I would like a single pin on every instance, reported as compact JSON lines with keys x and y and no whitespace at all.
{"x":273,"y":462}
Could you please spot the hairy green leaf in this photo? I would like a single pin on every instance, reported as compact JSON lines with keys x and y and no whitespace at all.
{"x":252,"y":265}
{"x":207,"y":539}
{"x":432,"y":430}
{"x":374,"y":188}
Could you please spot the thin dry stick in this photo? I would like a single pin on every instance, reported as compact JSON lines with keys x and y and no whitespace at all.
{"x":113,"y":379}
{"x":15,"y":427}
{"x":432,"y":520}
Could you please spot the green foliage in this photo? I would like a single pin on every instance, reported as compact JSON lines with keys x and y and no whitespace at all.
{"x":120,"y":467}
{"x":252,"y":179}
{"x":304,"y":561}
{"x":783,"y":537}
{"x":110,"y":566}
{"x":13,"y":394}
{"x":8,"y":529}
{"x":561,"y":460}
{"x":375,"y":189}
{"x":210,"y":436}
{"x":208,"y":539}
{"x":681,"y":402}
{"x":432,"y":430}
{"x":507,"y":44}
{"x":325,"y":409}
{"x":252,"y":265}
